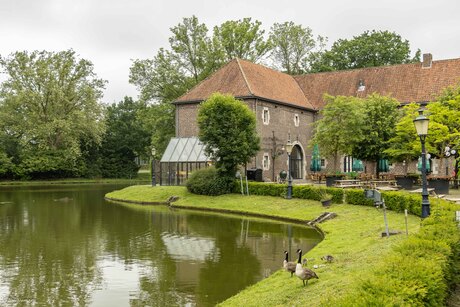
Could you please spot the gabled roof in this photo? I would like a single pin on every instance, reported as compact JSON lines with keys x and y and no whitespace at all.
{"x":244,"y":79}
{"x":405,"y":82}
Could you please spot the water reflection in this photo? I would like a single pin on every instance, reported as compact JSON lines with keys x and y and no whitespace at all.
{"x":84,"y":251}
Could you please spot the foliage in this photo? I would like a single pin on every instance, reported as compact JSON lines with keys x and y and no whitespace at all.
{"x":192,"y":57}
{"x":125,"y":139}
{"x":6,"y":165}
{"x":208,"y":181}
{"x":241,"y":39}
{"x":228,"y":129}
{"x":419,"y":271}
{"x":261,"y":188}
{"x":380,"y":115}
{"x":405,"y":145}
{"x":369,"y":49}
{"x":49,"y":102}
{"x":294,"y":47}
{"x":338,"y":126}
{"x":158,"y":119}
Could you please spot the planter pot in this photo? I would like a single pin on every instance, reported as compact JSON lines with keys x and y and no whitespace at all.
{"x":326,"y":203}
{"x":405,"y":182}
{"x":330,"y":180}
{"x":440,"y":185}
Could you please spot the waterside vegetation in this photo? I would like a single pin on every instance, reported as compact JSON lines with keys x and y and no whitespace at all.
{"x":414,"y":270}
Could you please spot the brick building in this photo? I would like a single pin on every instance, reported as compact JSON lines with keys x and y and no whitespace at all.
{"x":286,"y":106}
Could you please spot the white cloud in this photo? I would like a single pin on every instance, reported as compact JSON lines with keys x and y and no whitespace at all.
{"x":112,"y":32}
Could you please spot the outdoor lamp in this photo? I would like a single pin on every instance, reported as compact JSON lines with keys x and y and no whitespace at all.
{"x":421,"y":125}
{"x":289,"y":147}
{"x":289,"y":150}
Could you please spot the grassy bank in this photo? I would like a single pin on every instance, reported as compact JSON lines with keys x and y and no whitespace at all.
{"x":353,"y":238}
{"x":140,"y":179}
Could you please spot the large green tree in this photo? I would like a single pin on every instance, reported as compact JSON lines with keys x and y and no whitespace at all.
{"x":338,"y":127}
{"x":380,"y":115}
{"x":242,"y":39}
{"x":369,"y":49}
{"x":49,"y":102}
{"x":294,"y":47}
{"x":125,"y":139}
{"x":157,"y":119}
{"x":405,"y":146}
{"x":228,"y":129}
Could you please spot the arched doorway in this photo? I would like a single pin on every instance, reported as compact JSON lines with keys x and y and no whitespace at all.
{"x":297,"y":162}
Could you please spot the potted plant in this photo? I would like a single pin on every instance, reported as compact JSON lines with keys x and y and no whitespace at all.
{"x":407,"y":180}
{"x":325,"y":197}
{"x":332,"y":177}
{"x":440,"y":184}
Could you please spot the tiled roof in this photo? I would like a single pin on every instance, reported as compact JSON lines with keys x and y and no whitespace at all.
{"x":242,"y":78}
{"x":405,"y":82}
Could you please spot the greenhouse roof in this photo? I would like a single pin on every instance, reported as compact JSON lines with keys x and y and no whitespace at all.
{"x":184,"y":150}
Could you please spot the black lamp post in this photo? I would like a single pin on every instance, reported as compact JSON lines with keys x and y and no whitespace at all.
{"x":421,"y":125}
{"x":289,"y":150}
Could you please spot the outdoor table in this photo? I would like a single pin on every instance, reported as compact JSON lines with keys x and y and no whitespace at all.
{"x":348,"y":183}
{"x":379,"y":184}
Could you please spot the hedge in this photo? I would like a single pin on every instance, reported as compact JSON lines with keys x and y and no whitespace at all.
{"x":298,"y":191}
{"x":420,"y":271}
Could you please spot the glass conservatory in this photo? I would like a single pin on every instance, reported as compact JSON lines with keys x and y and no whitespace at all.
{"x":181,"y":157}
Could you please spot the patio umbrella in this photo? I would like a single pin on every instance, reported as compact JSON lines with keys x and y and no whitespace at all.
{"x":383,"y":165}
{"x":419,"y":165}
{"x":357,"y":165}
{"x":315,"y":159}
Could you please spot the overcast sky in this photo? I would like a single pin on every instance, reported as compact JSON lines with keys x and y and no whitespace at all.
{"x":110,"y":33}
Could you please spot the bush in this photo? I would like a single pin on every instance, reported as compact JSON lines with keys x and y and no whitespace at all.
{"x":419,"y":271}
{"x":207,"y":181}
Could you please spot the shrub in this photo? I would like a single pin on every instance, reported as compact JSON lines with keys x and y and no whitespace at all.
{"x":418,"y":271}
{"x":207,"y":181}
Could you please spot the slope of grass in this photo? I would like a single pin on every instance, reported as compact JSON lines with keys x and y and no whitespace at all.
{"x":353,"y":238}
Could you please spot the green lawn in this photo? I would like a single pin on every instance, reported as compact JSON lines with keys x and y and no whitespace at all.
{"x":353,"y":238}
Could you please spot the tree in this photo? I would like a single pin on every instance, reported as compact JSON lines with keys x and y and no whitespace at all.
{"x":125,"y":139}
{"x":48,"y":103}
{"x":370,"y":49}
{"x":294,"y":47}
{"x":444,"y":126}
{"x":193,"y":50}
{"x":338,"y":126}
{"x":241,"y":39}
{"x":405,"y":145}
{"x":228,"y":129}
{"x":380,"y":115}
{"x":159,"y":120}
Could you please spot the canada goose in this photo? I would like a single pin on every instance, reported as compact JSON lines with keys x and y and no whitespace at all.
{"x":303,"y":273}
{"x":327,"y":258}
{"x":288,"y":266}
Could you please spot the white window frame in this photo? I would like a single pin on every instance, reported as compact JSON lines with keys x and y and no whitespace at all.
{"x":296,"y":120}
{"x":265,"y":120}
{"x":266,"y":162}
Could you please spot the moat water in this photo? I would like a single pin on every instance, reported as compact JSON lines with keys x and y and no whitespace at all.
{"x":66,"y":246}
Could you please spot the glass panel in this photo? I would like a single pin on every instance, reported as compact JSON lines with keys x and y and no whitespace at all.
{"x":187,"y":150}
{"x":178,"y":151}
{"x":169,"y":150}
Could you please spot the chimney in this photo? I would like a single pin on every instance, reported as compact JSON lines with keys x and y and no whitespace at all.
{"x":427,"y":60}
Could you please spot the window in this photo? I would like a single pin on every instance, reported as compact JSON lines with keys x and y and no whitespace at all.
{"x":266,"y":162}
{"x":323,"y":163}
{"x":265,"y":116}
{"x":296,"y":120}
